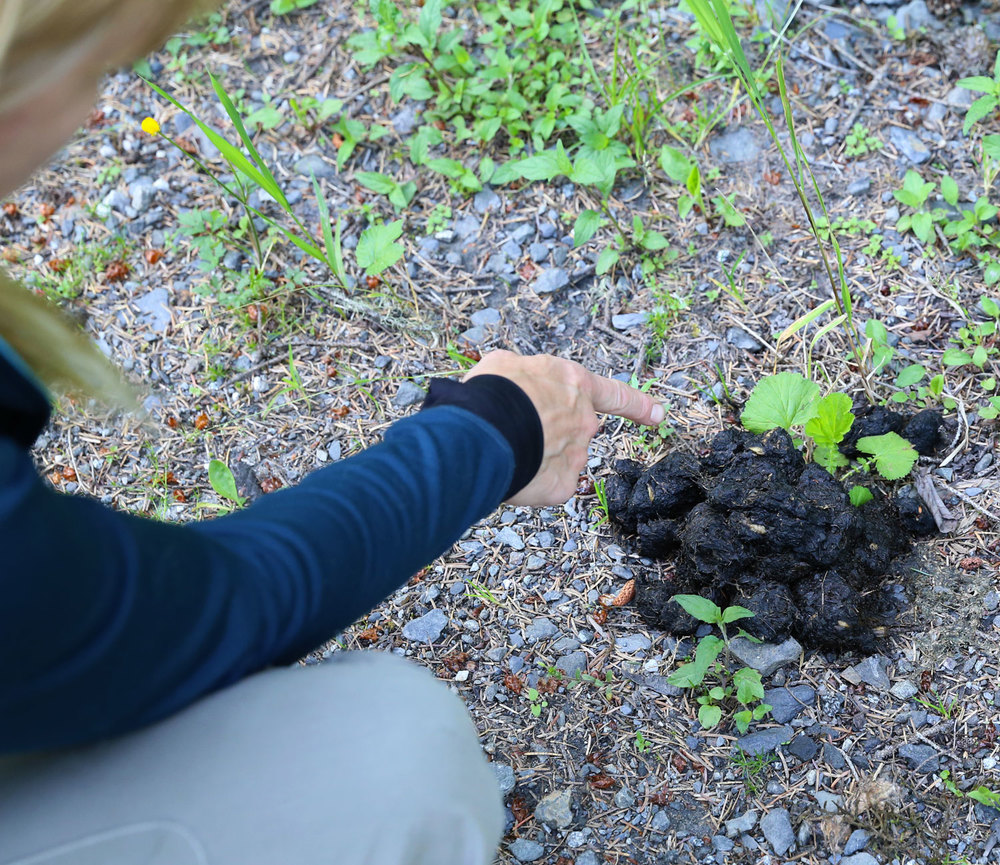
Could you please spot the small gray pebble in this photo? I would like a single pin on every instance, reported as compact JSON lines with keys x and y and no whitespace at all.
{"x":777,"y":828}
{"x":526,"y":850}
{"x":505,"y":777}
{"x":427,"y":628}
{"x":857,"y":841}
{"x":408,"y":394}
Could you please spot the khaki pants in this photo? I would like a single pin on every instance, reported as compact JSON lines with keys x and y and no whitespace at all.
{"x":366,"y":759}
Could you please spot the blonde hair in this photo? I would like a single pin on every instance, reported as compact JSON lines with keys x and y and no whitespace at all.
{"x":41,"y":42}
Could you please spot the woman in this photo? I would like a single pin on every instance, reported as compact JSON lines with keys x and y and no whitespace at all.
{"x":136,"y":723}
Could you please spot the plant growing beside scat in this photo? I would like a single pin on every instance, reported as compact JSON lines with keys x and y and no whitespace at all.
{"x":744,"y":684}
{"x":792,"y":402}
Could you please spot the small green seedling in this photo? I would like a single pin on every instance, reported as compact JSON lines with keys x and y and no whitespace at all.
{"x":745,"y":683}
{"x":641,"y":742}
{"x":982,"y":794}
{"x":220,"y":476}
{"x":537,"y":702}
{"x":601,"y":509}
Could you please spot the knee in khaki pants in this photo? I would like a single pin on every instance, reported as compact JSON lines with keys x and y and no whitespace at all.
{"x":366,"y":759}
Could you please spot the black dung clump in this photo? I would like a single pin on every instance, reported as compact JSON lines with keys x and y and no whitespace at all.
{"x":748,"y":522}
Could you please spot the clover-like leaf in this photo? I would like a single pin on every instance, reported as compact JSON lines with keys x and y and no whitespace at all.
{"x":894,"y":455}
{"x":377,"y":247}
{"x":784,"y":400}
{"x":860,"y":495}
{"x":833,"y":419}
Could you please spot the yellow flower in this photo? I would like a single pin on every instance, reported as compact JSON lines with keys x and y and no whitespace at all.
{"x":150,"y":126}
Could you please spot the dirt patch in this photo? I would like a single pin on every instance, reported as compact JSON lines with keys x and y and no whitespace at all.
{"x":748,"y":522}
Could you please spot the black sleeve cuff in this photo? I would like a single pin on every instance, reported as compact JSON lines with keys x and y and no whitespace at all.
{"x":503,"y":404}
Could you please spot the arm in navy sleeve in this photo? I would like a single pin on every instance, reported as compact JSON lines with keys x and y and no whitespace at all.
{"x":109,"y":621}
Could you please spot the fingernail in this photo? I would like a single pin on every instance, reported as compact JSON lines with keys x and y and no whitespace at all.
{"x":657,"y":414}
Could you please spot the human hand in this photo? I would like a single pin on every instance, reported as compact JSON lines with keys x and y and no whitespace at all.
{"x":567,"y":398}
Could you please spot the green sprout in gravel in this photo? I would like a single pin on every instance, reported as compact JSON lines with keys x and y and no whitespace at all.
{"x":744,"y":684}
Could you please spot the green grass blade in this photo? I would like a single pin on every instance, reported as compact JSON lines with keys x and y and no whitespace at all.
{"x":806,"y":319}
{"x":231,"y":153}
{"x":273,"y":188}
{"x":334,"y":255}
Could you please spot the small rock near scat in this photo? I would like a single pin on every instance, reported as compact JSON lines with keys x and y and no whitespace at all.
{"x":427,"y":628}
{"x":660,"y":822}
{"x":859,"y":859}
{"x":588,"y":858}
{"x":909,"y":144}
{"x":540,"y":629}
{"x":920,"y":758}
{"x":739,"y":338}
{"x":765,"y":741}
{"x":508,"y":536}
{"x":625,"y":320}
{"x":624,"y":798}
{"x":555,"y":809}
{"x":505,"y":777}
{"x":315,"y":165}
{"x":857,"y":842}
{"x":572,"y":665}
{"x":903,"y":690}
{"x":766,"y":657}
{"x":777,"y":828}
{"x":487,"y":317}
{"x":551,"y":280}
{"x":803,"y":747}
{"x":788,"y":703}
{"x":833,"y":757}
{"x":738,"y":146}
{"x":633,"y":643}
{"x":408,"y":394}
{"x":872,"y":672}
{"x":742,"y":824}
{"x":526,"y":850}
{"x":153,"y":307}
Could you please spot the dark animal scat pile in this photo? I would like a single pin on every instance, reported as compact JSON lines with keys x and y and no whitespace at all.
{"x":750,"y":523}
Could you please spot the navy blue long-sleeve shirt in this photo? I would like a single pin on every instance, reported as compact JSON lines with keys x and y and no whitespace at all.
{"x":109,"y":621}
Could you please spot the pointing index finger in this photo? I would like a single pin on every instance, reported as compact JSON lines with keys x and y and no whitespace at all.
{"x":610,"y":396}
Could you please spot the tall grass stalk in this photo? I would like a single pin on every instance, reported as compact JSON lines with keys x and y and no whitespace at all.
{"x":715,"y":20}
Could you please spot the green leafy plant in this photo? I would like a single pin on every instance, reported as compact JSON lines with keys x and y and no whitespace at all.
{"x":946,"y":709}
{"x":221,"y":478}
{"x":789,"y":400}
{"x":982,"y":794}
{"x":744,"y":684}
{"x":536,"y":701}
{"x":860,"y":142}
{"x":285,"y":7}
{"x":379,"y":247}
{"x":642,"y":744}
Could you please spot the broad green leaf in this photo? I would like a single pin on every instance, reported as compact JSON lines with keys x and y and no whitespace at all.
{"x":949,"y":190}
{"x":735,"y":613}
{"x":748,"y":685}
{"x":832,"y":421}
{"x":709,"y":716}
{"x":541,"y":166}
{"x":585,"y":227}
{"x":761,"y":710}
{"x":991,"y":146}
{"x":606,"y":260}
{"x":894,"y":455}
{"x":688,"y":675}
{"x":984,"y":795}
{"x":675,"y":164}
{"x":989,"y":306}
{"x":955,"y":357}
{"x":876,"y":331}
{"x":978,"y":110}
{"x":380,"y":183}
{"x":701,"y":608}
{"x":859,"y":495}
{"x":977,"y":82}
{"x":784,"y":400}
{"x":923,"y":226}
{"x":979,"y":356}
{"x":654,"y":241}
{"x":223,"y":482}
{"x":743,"y":718}
{"x":910,"y":375}
{"x":377,"y":247}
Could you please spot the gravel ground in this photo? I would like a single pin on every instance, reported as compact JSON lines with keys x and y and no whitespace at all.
{"x":608,"y":764}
